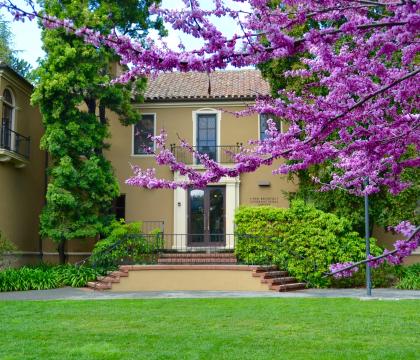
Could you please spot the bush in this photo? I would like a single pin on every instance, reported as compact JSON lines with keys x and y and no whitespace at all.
{"x":5,"y":245}
{"x":301,"y":239}
{"x":383,"y":276}
{"x":45,"y":277}
{"x":409,"y":278}
{"x":126,"y":244}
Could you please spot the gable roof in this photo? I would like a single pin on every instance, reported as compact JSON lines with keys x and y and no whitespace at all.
{"x":197,"y":86}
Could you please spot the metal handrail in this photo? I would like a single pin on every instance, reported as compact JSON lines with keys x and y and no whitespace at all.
{"x":220,"y":153}
{"x":13,"y":141}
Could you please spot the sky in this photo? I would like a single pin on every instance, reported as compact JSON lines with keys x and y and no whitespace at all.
{"x":27,"y":35}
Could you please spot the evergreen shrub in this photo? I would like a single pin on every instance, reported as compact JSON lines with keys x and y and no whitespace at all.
{"x":301,"y":239}
{"x":126,"y":244}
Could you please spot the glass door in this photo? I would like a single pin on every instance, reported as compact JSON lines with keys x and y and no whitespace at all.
{"x":206,"y":220}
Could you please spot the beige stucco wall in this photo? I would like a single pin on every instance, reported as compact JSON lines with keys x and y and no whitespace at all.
{"x":386,"y":239}
{"x":22,"y":189}
{"x":177,"y":120}
{"x":189,"y":280}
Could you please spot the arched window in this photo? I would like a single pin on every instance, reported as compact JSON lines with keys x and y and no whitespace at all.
{"x":8,"y":105}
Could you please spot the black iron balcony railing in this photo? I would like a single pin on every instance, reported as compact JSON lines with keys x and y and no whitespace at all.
{"x":221,"y":153}
{"x":12,"y":141}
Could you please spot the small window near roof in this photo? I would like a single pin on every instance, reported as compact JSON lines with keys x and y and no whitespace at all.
{"x":263,"y":124}
{"x":7,"y":96}
{"x":143,"y":130}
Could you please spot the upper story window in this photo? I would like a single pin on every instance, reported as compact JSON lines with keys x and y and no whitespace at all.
{"x":263,"y":124}
{"x":8,"y":110}
{"x":207,"y":134}
{"x":143,"y":130}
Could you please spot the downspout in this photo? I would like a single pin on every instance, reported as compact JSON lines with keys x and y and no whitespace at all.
{"x":40,"y":242}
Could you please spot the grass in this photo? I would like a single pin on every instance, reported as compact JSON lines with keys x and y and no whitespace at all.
{"x":210,"y":329}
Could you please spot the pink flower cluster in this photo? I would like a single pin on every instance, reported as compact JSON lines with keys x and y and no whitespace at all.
{"x":342,"y":271}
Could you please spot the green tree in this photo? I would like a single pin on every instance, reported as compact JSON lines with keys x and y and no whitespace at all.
{"x":73,"y":94}
{"x":385,"y":209}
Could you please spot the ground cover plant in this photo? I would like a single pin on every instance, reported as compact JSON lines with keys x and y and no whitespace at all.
{"x":210,"y":329}
{"x":409,"y":278}
{"x":43,"y":277}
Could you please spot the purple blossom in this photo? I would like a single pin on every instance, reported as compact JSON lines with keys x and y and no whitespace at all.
{"x":371,"y":100}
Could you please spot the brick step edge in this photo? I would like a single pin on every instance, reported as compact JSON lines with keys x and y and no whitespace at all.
{"x":280,"y":280}
{"x":197,"y":255}
{"x":108,"y":279}
{"x":270,"y":274}
{"x":288,"y":287}
{"x":98,"y":285}
{"x":264,"y":268}
{"x":117,"y":273}
{"x":195,"y":261}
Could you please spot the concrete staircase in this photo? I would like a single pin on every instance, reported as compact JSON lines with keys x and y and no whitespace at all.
{"x":197,"y":258}
{"x":277,"y":280}
{"x":105,"y":282}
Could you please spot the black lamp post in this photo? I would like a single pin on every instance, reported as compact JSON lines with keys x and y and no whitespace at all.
{"x":367,"y":238}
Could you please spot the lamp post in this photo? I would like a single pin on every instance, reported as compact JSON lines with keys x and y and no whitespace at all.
{"x":367,"y":238}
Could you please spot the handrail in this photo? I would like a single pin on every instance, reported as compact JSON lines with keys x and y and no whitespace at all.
{"x":13,"y":141}
{"x":220,"y":153}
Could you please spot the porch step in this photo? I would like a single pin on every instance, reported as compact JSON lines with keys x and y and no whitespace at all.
{"x":188,"y":260}
{"x":288,"y":287}
{"x":197,"y":258}
{"x":105,"y":282}
{"x":98,"y":285}
{"x":263,"y":268}
{"x":277,"y":280}
{"x":118,"y":273}
{"x":270,"y":274}
{"x":198,"y":255}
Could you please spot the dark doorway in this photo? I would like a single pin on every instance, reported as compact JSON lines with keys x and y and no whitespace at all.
{"x":206,"y":216}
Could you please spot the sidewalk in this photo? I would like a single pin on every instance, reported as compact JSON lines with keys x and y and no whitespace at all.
{"x":69,"y":293}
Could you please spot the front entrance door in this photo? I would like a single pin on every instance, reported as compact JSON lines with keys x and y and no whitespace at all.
{"x":206,"y":216}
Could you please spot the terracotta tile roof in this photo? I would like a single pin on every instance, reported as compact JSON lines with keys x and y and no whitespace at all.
{"x":195,"y":86}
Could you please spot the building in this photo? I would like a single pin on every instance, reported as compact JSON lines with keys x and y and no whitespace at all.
{"x":22,"y":166}
{"x":199,"y":108}
{"x":193,"y":106}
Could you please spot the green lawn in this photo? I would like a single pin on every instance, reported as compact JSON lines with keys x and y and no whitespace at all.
{"x":210,"y":329}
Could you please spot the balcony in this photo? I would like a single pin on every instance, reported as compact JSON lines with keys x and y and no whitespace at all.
{"x":14,"y":147}
{"x":223,"y":154}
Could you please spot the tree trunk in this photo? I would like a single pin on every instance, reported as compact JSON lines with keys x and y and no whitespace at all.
{"x":61,"y":252}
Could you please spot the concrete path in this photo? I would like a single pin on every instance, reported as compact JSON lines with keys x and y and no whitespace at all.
{"x":87,"y":294}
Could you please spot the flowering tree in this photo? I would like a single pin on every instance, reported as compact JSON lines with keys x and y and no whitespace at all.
{"x":358,"y":108}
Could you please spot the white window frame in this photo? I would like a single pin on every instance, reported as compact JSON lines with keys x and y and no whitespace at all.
{"x":259,"y":126}
{"x":154,"y":134}
{"x":207,"y":111}
{"x":13,"y":119}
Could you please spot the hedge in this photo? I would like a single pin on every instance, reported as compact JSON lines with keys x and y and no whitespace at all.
{"x":302,"y":239}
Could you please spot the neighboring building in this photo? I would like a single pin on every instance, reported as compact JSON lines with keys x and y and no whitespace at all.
{"x":22,"y":165}
{"x":198,"y":108}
